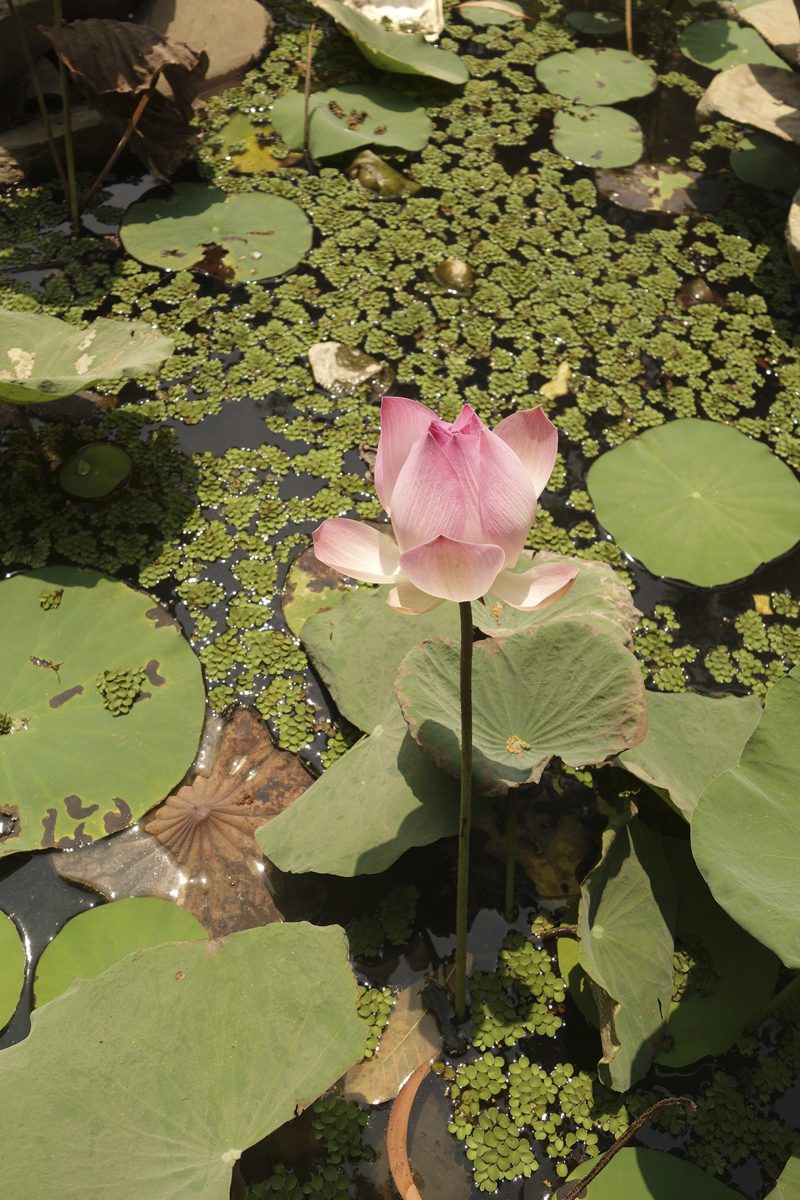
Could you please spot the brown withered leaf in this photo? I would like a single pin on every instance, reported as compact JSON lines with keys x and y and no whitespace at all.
{"x":198,"y":849}
{"x":114,"y":62}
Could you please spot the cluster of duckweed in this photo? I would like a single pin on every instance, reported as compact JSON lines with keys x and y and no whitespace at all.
{"x":662,"y":662}
{"x":340,"y":1126}
{"x":330,"y":1184}
{"x":498,"y":1151}
{"x":50,"y":600}
{"x":518,"y":998}
{"x":119,"y":689}
{"x":693,"y":971}
{"x":768,"y":646}
{"x":392,"y":922}
{"x":374,"y":1006}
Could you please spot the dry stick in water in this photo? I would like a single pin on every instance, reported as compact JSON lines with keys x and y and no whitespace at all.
{"x":634,"y":1127}
{"x":121,"y":144}
{"x":629,"y":24}
{"x":37,"y":87}
{"x":72,"y":190}
{"x":397,"y":1133}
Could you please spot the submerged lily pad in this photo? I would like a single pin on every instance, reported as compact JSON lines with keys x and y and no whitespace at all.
{"x":595,"y":137}
{"x":638,"y":1174}
{"x":12,"y":967}
{"x":177,"y":1059}
{"x":599,"y":23}
{"x":757,"y":160}
{"x":71,"y":770}
{"x":596,"y":75}
{"x":656,"y":187}
{"x":697,"y":500}
{"x":99,"y":937}
{"x":95,"y":471}
{"x":233,"y":236}
{"x":42,"y":358}
{"x":348,"y":117}
{"x":249,"y":146}
{"x":720,"y":44}
{"x":406,"y":53}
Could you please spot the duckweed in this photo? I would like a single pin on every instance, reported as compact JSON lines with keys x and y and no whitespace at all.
{"x":374,"y":1006}
{"x":340,"y":1125}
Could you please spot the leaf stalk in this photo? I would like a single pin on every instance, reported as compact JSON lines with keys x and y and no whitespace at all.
{"x":465,"y":818}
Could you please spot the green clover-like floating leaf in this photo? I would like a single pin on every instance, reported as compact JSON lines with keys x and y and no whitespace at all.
{"x":405,"y":53}
{"x":71,"y":771}
{"x":598,"y":137}
{"x":697,"y":500}
{"x":42,"y":358}
{"x":569,"y":687}
{"x":232,"y":236}
{"x":350,"y":117}
{"x":720,"y":44}
{"x":12,"y":968}
{"x":595,"y":75}
{"x":639,"y":1174}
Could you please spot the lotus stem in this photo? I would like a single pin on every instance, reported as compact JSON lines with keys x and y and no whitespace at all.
{"x":121,"y":144}
{"x":465,"y":817}
{"x":69,"y":154}
{"x":34,"y":443}
{"x":511,"y":854}
{"x":308,"y":88}
{"x":37,"y":87}
{"x":776,"y":1003}
{"x":629,"y":24}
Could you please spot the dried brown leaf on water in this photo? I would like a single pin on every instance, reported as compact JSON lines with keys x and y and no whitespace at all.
{"x":397,"y":1133}
{"x":114,"y":62}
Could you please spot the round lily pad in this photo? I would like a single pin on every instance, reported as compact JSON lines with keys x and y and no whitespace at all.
{"x":12,"y":968}
{"x":99,"y":937}
{"x":596,"y":75}
{"x":235,"y":237}
{"x":638,"y":1174}
{"x":599,"y":23}
{"x":759,"y":161}
{"x":311,"y":587}
{"x":598,"y":137}
{"x":95,"y":471}
{"x":656,"y":187}
{"x":103,"y":702}
{"x":720,"y":44}
{"x":697,"y":500}
{"x":249,"y":145}
{"x":492,"y":12}
{"x":349,"y":117}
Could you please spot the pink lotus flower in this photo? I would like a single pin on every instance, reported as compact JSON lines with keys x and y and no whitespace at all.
{"x":462,"y":499}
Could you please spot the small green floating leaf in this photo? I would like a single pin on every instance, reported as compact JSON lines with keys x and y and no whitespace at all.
{"x":599,"y":23}
{"x":598,"y":137}
{"x":719,"y":44}
{"x":595,"y":75}
{"x":42,"y":358}
{"x":12,"y":968}
{"x":405,"y":53}
{"x":746,"y":828}
{"x":96,"y":939}
{"x":95,"y":471}
{"x":232,"y":236}
{"x":639,"y":1174}
{"x":350,"y":117}
{"x":697,"y":500}
{"x":491,"y":12}
{"x":757,"y":160}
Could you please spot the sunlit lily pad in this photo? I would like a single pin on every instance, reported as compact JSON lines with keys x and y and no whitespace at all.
{"x":12,"y":968}
{"x":759,"y":161}
{"x":152,"y":1079}
{"x":596,"y":75}
{"x":405,"y":53}
{"x":78,"y":764}
{"x":599,"y":23}
{"x":233,"y":236}
{"x":95,"y":470}
{"x":598,"y":137}
{"x":491,"y":12}
{"x":42,"y":358}
{"x":656,"y":187}
{"x":697,"y":500}
{"x":311,"y":587}
{"x":99,"y":937}
{"x":638,"y":1174}
{"x":720,"y":44}
{"x":249,"y":146}
{"x":349,"y":117}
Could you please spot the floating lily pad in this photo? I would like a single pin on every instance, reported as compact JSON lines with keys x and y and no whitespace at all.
{"x":233,"y":236}
{"x":254,"y":156}
{"x":595,"y":137}
{"x":42,"y":358}
{"x":71,"y":770}
{"x":99,"y":937}
{"x":349,"y":117}
{"x":656,"y":187}
{"x":491,"y":12}
{"x":788,"y":1185}
{"x":569,"y":687}
{"x":599,"y":23}
{"x":12,"y":968}
{"x":719,"y":44}
{"x":638,"y":1174}
{"x":153,"y":1078}
{"x":95,"y":471}
{"x":690,"y":740}
{"x":596,"y":75}
{"x":757,"y":160}
{"x":746,"y":828}
{"x":311,"y":587}
{"x":675,"y":498}
{"x":405,"y":53}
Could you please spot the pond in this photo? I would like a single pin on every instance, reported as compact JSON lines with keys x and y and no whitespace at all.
{"x":228,"y":830}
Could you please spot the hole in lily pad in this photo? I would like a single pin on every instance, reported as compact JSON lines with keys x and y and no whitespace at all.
{"x":656,"y":187}
{"x":596,"y":24}
{"x":596,"y":75}
{"x":595,"y":137}
{"x":96,"y":470}
{"x":720,"y":44}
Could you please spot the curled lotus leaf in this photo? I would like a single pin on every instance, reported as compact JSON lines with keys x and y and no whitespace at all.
{"x":598,"y":137}
{"x":350,"y":117}
{"x":405,"y":53}
{"x":595,"y":75}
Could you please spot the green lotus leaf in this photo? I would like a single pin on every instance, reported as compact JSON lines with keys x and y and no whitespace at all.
{"x":491,"y":12}
{"x":350,"y":117}
{"x":720,"y":44}
{"x":70,"y":770}
{"x":95,"y":471}
{"x":788,"y":1185}
{"x":598,"y":137}
{"x":150,"y":1080}
{"x":690,"y":740}
{"x":12,"y":968}
{"x":639,"y":1174}
{"x":596,"y":24}
{"x":746,"y":828}
{"x":715,"y":1006}
{"x":697,"y":500}
{"x":568,"y":687}
{"x":758,"y":160}
{"x":595,"y":75}
{"x":42,"y":358}
{"x":232,"y":236}
{"x":99,"y":937}
{"x":405,"y":53}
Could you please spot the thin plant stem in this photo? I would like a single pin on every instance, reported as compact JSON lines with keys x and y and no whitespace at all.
{"x":69,"y":153}
{"x":511,"y":854}
{"x":634,"y":1127}
{"x":34,"y":443}
{"x":775,"y":1004}
{"x":629,"y":24}
{"x":465,"y":817}
{"x":37,"y":87}
{"x":560,"y":931}
{"x":121,"y":144}
{"x":309,"y":57}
